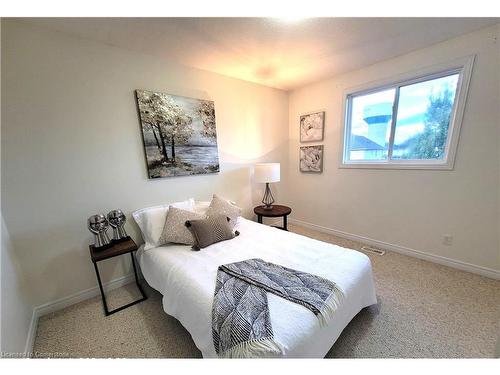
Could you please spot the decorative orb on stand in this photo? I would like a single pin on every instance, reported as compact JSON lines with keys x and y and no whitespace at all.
{"x":98,"y":226}
{"x":117,"y":220}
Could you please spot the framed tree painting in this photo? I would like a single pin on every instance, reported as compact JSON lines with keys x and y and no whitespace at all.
{"x":179,"y":134}
{"x":312,"y":127}
{"x":311,"y":159}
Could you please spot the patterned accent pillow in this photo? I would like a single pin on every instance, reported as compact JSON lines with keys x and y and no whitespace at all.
{"x":211,"y":230}
{"x":220,"y":206}
{"x":174,"y":229}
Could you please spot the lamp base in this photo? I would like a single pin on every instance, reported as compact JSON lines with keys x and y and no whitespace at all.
{"x":268,"y":198}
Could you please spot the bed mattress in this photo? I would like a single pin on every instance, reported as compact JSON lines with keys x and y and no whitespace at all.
{"x":186,"y":279}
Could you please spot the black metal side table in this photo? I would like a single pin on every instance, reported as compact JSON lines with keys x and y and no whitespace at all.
{"x":118,"y":248}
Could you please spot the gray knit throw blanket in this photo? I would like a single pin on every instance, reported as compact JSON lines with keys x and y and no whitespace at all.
{"x":241,"y":326}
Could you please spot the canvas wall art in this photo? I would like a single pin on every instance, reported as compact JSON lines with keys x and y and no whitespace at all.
{"x":179,"y":134}
{"x":311,"y":159}
{"x":312,"y":127}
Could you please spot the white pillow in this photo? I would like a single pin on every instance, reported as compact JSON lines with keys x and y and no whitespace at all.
{"x":201,"y":207}
{"x":152,"y":219}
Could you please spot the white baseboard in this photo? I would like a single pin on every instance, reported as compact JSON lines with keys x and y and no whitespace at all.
{"x":30,"y":340}
{"x":61,"y":303}
{"x":483,"y":271}
{"x":274,"y":222}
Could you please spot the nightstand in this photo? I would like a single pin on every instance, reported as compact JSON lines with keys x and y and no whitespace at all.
{"x":116,"y":248}
{"x":275,"y":211}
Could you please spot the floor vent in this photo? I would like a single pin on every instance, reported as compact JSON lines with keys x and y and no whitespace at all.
{"x":373,"y":250}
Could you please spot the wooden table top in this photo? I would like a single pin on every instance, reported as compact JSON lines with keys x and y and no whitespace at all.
{"x":115,"y":249}
{"x":276,"y":211}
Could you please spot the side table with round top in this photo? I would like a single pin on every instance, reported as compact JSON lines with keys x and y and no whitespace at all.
{"x":276,"y":211}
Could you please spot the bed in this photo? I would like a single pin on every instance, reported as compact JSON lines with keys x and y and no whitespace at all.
{"x":186,"y":279}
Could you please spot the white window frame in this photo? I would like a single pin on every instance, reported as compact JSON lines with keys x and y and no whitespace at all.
{"x":461,"y":66}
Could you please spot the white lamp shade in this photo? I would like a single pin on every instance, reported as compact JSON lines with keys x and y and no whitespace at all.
{"x":267,"y":172}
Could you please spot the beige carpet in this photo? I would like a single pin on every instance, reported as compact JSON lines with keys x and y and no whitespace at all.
{"x":424,"y":311}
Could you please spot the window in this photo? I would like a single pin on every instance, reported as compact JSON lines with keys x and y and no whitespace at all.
{"x":413,"y":123}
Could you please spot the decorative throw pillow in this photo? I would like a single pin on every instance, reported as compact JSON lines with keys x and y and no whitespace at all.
{"x":220,"y":206}
{"x":211,"y":230}
{"x":175,"y":230}
{"x":151,"y":221}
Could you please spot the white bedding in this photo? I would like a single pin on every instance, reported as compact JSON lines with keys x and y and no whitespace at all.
{"x":186,"y":279}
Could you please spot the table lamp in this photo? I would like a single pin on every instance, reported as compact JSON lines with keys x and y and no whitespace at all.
{"x":267,"y":173}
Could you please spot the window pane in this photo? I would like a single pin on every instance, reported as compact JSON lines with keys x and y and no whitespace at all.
{"x":423,"y":118}
{"x":371,"y":116}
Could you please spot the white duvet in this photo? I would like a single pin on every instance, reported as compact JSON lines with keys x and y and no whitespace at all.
{"x":186,"y":279}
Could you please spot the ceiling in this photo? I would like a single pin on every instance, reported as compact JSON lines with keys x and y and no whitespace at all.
{"x":275,"y":52}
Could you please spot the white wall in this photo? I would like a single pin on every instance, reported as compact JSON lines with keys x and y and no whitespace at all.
{"x":498,"y":190}
{"x":16,"y":309}
{"x":72,"y":147}
{"x":410,"y":208}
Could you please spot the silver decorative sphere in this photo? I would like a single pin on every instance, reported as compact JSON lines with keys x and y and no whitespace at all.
{"x":117,"y":220}
{"x":98,"y":225}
